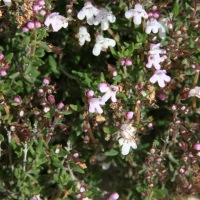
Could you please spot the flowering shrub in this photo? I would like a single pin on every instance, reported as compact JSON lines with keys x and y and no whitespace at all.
{"x":99,"y":99}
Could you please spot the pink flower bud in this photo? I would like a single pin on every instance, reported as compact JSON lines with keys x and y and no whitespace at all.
{"x":122,"y":61}
{"x":3,"y":72}
{"x":51,"y":99}
{"x":150,"y":14}
{"x":103,"y":86}
{"x":36,"y":7}
{"x":7,"y":67}
{"x":31,"y":25}
{"x":60,"y":106}
{"x":113,"y":196}
{"x":46,"y":80}
{"x":25,"y":29}
{"x":41,"y":3}
{"x":196,"y":147}
{"x":128,"y":62}
{"x":162,"y":96}
{"x":129,"y":115}
{"x":156,"y":15}
{"x":90,"y":93}
{"x":1,"y":56}
{"x":17,"y":99}
{"x":38,"y":24}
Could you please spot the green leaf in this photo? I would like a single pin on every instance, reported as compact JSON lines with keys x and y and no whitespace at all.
{"x":111,"y":152}
{"x":65,"y":112}
{"x":15,"y":75}
{"x":53,"y":65}
{"x":176,"y":9}
{"x":78,"y":169}
{"x":75,"y":107}
{"x":114,"y":53}
{"x":9,"y":57}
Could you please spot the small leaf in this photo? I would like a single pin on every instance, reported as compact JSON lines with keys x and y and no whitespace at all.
{"x":112,"y":152}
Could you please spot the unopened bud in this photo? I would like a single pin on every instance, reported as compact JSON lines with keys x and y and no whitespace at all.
{"x":129,"y":115}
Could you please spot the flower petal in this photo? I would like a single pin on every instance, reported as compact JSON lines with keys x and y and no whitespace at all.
{"x":125,"y":148}
{"x":81,"y":14}
{"x":96,"y":50}
{"x":129,"y":14}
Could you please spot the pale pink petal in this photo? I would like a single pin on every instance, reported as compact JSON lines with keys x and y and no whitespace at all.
{"x":104,"y":25}
{"x":81,"y":14}
{"x":125,"y":148}
{"x":106,"y":96}
{"x":103,"y":87}
{"x":154,"y":78}
{"x":98,"y":108}
{"x":166,"y":78}
{"x":137,"y":20}
{"x":161,"y":82}
{"x":133,"y":144}
{"x":113,"y":97}
{"x":129,"y":14}
{"x":96,"y":50}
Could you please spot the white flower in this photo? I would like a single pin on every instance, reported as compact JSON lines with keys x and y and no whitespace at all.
{"x":7,"y":2}
{"x":160,"y":77}
{"x":155,"y":49}
{"x":110,"y":92}
{"x":154,"y":26}
{"x":195,"y":92}
{"x":102,"y":44}
{"x":127,"y":132}
{"x":94,"y":105}
{"x":83,"y":35}
{"x":137,"y":13}
{"x":88,"y":11}
{"x":56,"y":21}
{"x":104,"y":17}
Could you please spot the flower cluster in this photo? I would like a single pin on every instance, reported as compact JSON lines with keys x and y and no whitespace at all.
{"x":3,"y":65}
{"x":95,"y":16}
{"x":38,"y":10}
{"x":110,"y":93}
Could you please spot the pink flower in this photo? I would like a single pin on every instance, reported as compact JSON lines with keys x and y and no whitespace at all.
{"x":129,"y":115}
{"x":196,"y":147}
{"x":114,"y":196}
{"x":110,"y":92}
{"x":94,"y":105}
{"x":46,"y":80}
{"x":160,"y":77}
{"x":17,"y":99}
{"x":155,"y":60}
{"x":3,"y":72}
{"x":31,"y":25}
{"x":137,"y":13}
{"x":60,"y":106}
{"x":1,"y":56}
{"x":56,"y":21}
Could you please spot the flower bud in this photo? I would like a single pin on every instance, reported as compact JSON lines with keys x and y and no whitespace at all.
{"x":41,"y":3}
{"x":3,"y":72}
{"x":128,"y":62}
{"x":1,"y":56}
{"x":31,"y":25}
{"x":51,"y":99}
{"x":38,"y":24}
{"x":17,"y":99}
{"x":114,"y":196}
{"x":90,"y":93}
{"x":36,"y":7}
{"x":46,"y":80}
{"x":122,"y":62}
{"x":25,"y":29}
{"x":60,"y":106}
{"x":129,"y":115}
{"x":196,"y":147}
{"x":114,"y":73}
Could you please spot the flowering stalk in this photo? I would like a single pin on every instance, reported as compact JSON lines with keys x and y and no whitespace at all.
{"x":196,"y":77}
{"x":25,"y":156}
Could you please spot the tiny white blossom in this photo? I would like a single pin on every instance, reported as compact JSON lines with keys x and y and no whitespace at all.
{"x":137,"y":13}
{"x":56,"y":21}
{"x":83,"y":35}
{"x":104,"y":17}
{"x":195,"y":92}
{"x":102,"y":44}
{"x":127,"y":132}
{"x":154,"y":26}
{"x":88,"y":12}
